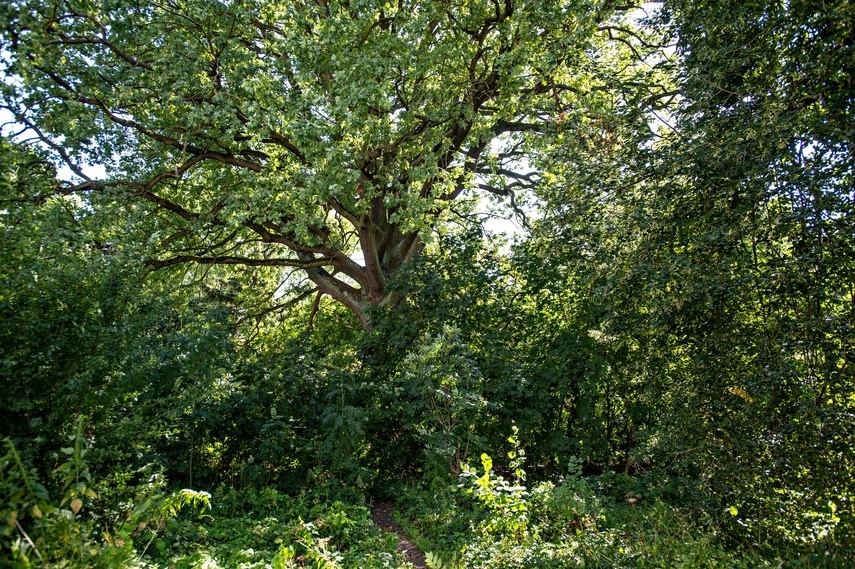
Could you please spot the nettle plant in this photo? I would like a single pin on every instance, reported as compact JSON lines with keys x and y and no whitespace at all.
{"x":23,"y":498}
{"x":50,"y":528}
{"x":505,"y":500}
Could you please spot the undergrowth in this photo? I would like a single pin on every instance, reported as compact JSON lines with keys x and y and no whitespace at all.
{"x":482,"y":520}
{"x":82,"y":522}
{"x":486,"y":521}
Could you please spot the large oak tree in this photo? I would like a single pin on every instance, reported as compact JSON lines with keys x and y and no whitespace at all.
{"x":328,"y":136}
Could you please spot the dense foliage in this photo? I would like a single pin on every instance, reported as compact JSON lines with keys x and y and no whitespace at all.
{"x":246,"y":290}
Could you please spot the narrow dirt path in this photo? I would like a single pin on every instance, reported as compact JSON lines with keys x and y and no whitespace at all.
{"x":381,"y":515}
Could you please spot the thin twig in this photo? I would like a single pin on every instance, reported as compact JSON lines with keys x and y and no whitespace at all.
{"x":30,"y":541}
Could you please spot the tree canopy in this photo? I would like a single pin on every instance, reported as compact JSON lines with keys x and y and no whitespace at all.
{"x":296,"y":134}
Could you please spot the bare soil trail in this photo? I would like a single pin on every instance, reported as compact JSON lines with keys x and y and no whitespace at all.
{"x":381,"y":515}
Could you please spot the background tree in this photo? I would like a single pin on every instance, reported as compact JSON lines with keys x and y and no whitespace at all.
{"x":717,"y":249}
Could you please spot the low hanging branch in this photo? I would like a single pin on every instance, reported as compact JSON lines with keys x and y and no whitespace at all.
{"x":227,"y":260}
